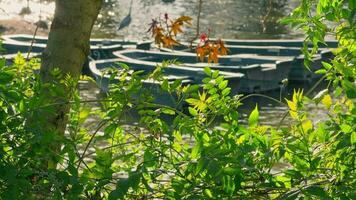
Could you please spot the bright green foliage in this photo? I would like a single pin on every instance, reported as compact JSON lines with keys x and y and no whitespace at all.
{"x":324,"y":152}
{"x":194,"y":149}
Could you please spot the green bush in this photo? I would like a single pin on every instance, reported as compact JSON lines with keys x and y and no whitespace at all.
{"x":200,"y":153}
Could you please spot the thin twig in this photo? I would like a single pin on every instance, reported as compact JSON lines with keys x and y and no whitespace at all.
{"x":200,"y":5}
{"x":264,"y":18}
{"x":264,"y":96}
{"x":103,"y":123}
{"x":316,"y":85}
{"x":32,"y":42}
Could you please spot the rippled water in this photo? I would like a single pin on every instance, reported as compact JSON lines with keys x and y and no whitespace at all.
{"x":225,"y":18}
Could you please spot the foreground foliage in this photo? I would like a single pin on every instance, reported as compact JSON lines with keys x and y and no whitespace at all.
{"x":181,"y":154}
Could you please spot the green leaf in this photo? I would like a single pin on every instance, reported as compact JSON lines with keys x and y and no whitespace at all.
{"x":176,"y":84}
{"x":84,"y":114}
{"x":122,"y":187}
{"x":232,"y":171}
{"x":320,"y":6}
{"x":206,"y":80}
{"x":346,"y":128}
{"x":349,"y":88}
{"x":253,"y":119}
{"x":177,"y":147}
{"x":207,"y":71}
{"x":327,"y":101}
{"x":2,"y":61}
{"x":149,"y":158}
{"x":124,"y":66}
{"x":223,"y":85}
{"x":200,"y":166}
{"x":192,"y":101}
{"x":219,"y":79}
{"x":165,"y":85}
{"x":320,"y":71}
{"x":195,"y":152}
{"x":353,"y":137}
{"x":193,"y":111}
{"x":307,"y":125}
{"x":234,"y":115}
{"x":285,"y":181}
{"x":192,"y":88}
{"x":110,"y":129}
{"x":6,"y":77}
{"x":208,"y":193}
{"x":326,"y":65}
{"x":228,"y":185}
{"x":134,"y":179}
{"x":168,"y":111}
{"x":316,"y":191}
{"x":215,"y":74}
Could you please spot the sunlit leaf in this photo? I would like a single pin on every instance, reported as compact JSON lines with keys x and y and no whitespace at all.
{"x":327,"y":101}
{"x":195,"y":152}
{"x":168,"y":111}
{"x":353,"y":137}
{"x":307,"y":125}
{"x":253,"y":119}
{"x":208,"y":193}
{"x":192,"y":111}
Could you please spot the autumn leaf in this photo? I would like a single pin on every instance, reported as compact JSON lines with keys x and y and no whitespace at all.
{"x":158,"y":35}
{"x":166,"y":35}
{"x":223,"y":49}
{"x":214,"y":53}
{"x":184,"y":19}
{"x":176,"y":28}
{"x":200,"y":53}
{"x":169,"y":41}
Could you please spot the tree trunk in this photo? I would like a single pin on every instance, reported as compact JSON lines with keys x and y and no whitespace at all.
{"x":67,"y":49}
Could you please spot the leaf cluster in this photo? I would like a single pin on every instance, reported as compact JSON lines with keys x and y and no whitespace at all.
{"x":165,"y":30}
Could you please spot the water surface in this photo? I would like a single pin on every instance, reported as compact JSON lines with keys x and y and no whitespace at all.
{"x":224,"y":18}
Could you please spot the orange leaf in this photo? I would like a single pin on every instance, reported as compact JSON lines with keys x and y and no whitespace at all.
{"x":176,"y":28}
{"x":200,"y":53}
{"x":223,"y":49}
{"x":212,"y":58}
{"x":169,"y":42}
{"x":158,"y":34}
{"x":214,"y":53}
{"x":185,"y":19}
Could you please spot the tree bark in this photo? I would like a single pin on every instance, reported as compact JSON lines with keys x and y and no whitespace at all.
{"x":67,"y":49}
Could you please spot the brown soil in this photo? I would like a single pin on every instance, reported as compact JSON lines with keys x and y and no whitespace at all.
{"x":18,"y":26}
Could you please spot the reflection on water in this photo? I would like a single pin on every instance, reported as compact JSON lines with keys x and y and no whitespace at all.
{"x":225,"y":18}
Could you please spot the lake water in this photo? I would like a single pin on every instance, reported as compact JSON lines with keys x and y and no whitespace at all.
{"x":224,"y":18}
